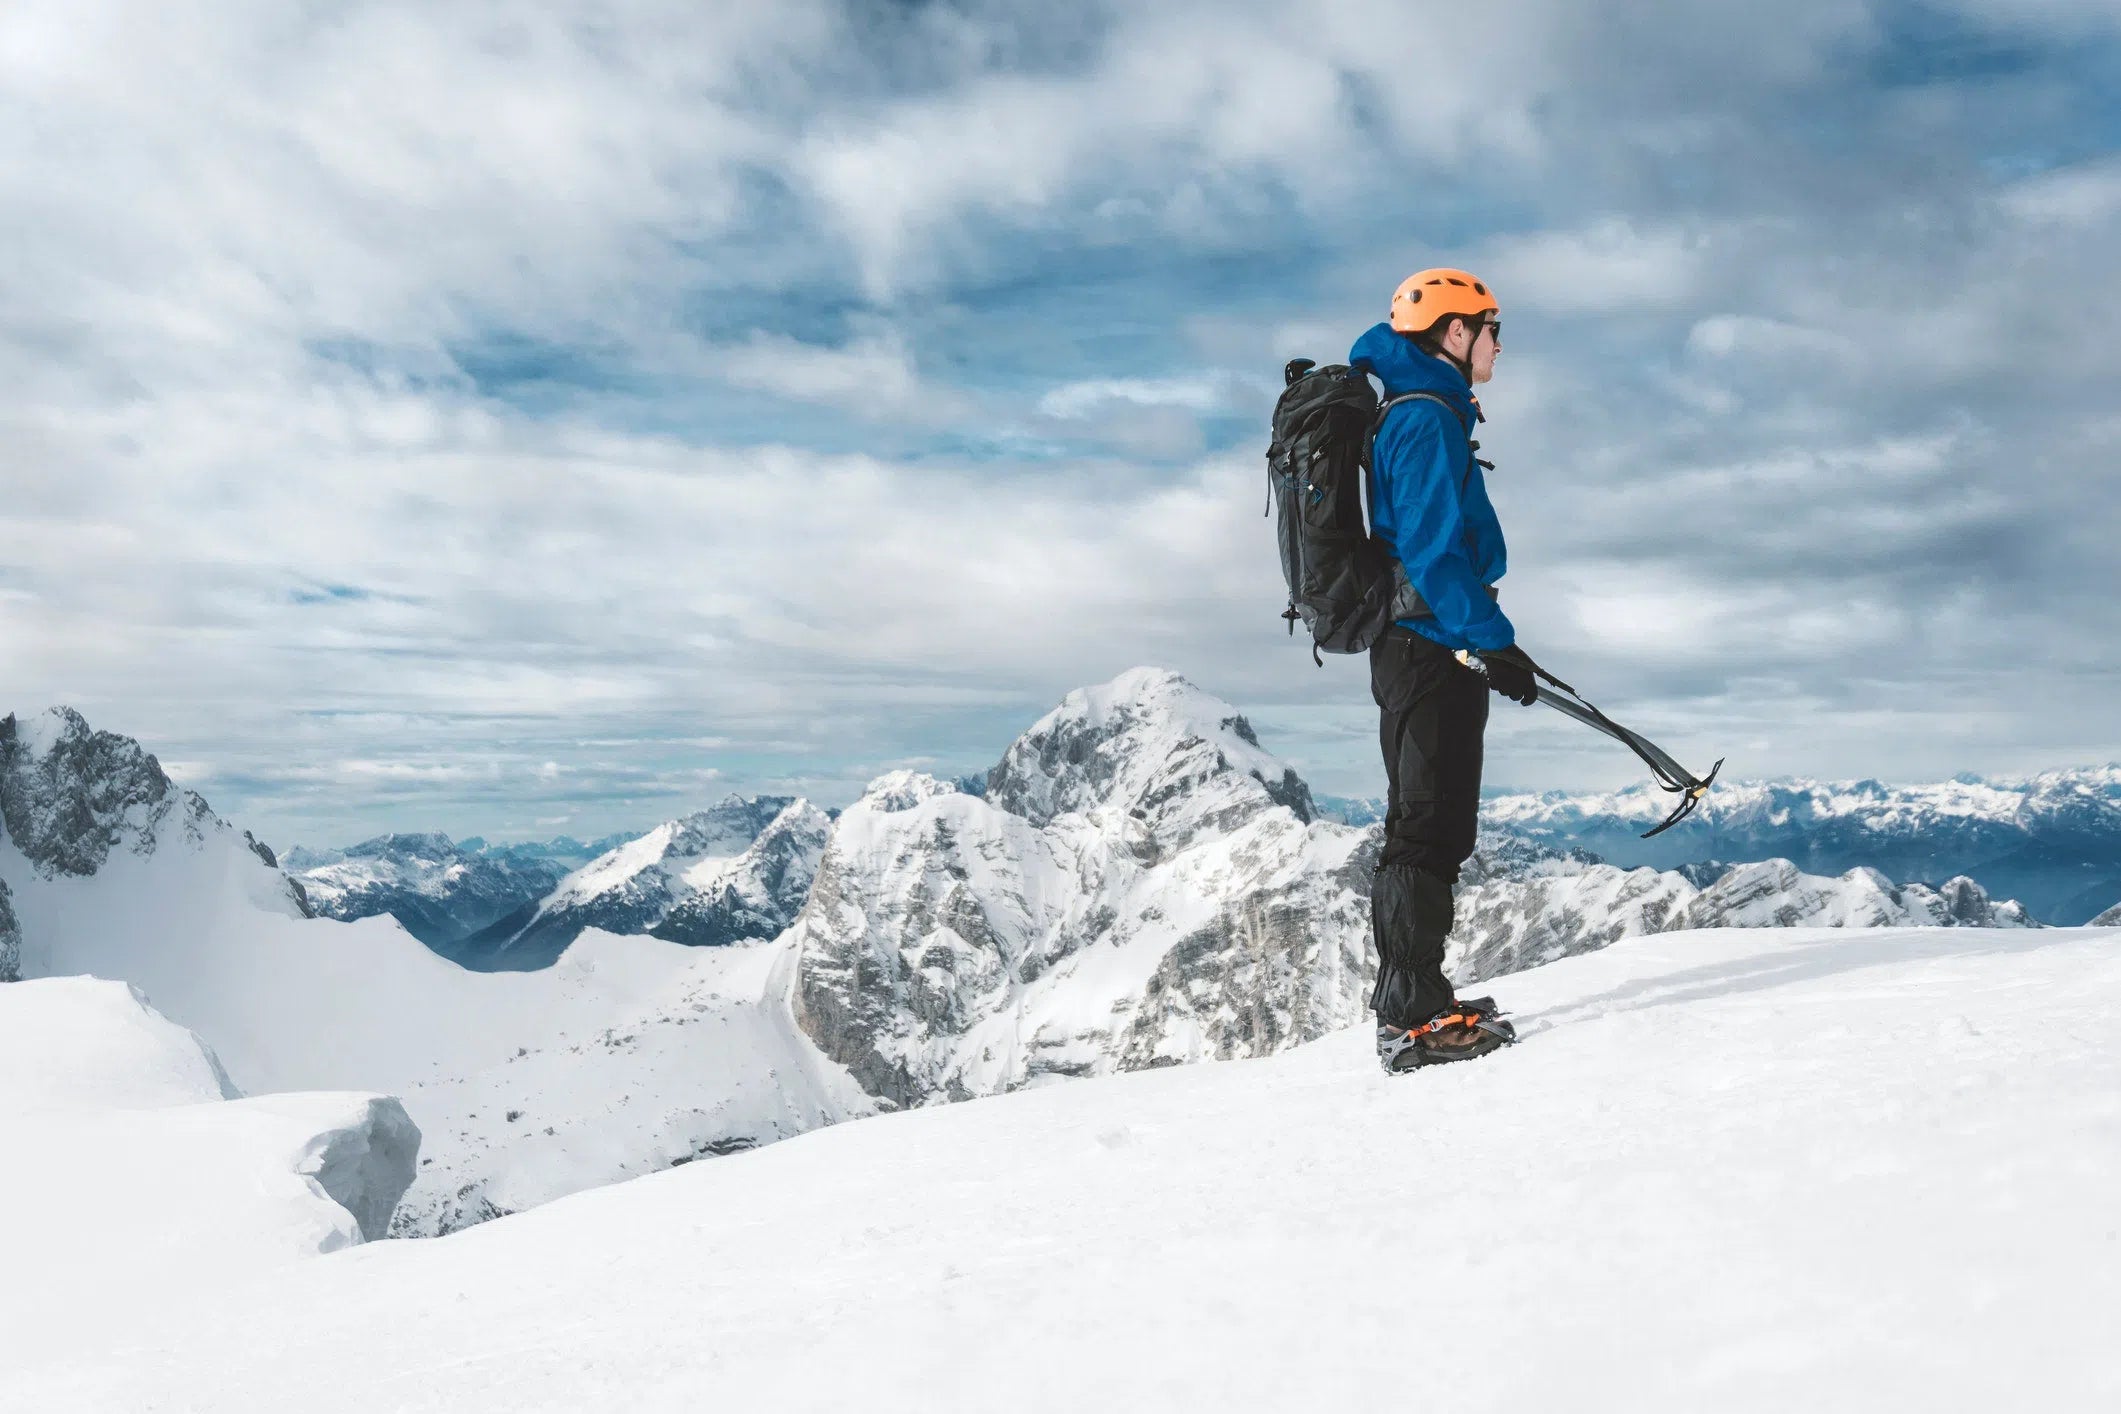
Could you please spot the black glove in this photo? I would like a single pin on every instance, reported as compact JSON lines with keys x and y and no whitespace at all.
{"x":1510,"y":673}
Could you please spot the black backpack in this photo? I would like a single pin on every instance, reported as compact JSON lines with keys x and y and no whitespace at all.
{"x":1344,"y":584}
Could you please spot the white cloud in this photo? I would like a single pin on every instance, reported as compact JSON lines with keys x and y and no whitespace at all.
{"x":1724,"y":336}
{"x":1609,"y":265}
{"x":2084,"y":196}
{"x":1198,"y":394}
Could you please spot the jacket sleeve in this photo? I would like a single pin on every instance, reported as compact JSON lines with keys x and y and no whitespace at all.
{"x":1419,"y":465}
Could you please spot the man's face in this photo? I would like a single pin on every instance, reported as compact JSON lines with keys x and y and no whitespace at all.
{"x":1487,"y":342}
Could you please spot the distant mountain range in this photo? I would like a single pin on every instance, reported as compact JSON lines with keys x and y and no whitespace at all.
{"x":735,"y":871}
{"x":2051,"y":841}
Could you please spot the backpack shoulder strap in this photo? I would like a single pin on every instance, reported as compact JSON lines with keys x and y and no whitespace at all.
{"x":1473,"y":457}
{"x":1384,"y":409}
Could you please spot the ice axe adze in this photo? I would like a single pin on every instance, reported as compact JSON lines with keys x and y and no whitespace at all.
{"x":1671,"y":776}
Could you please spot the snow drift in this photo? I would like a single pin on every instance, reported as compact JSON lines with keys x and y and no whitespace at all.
{"x":135,"y":1170}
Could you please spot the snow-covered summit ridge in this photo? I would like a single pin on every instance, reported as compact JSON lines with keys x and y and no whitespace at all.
{"x":655,"y":860}
{"x":734,"y":872}
{"x":1153,"y":745}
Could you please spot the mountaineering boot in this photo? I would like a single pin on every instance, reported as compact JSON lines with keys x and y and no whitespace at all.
{"x":1467,"y":1028}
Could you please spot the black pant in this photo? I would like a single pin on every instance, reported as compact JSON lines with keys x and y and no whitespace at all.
{"x":1434,"y":712}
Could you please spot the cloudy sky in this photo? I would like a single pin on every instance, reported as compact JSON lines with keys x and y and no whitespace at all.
{"x":526,"y":417}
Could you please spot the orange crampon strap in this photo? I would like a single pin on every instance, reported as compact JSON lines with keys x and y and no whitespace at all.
{"x":1461,"y":1018}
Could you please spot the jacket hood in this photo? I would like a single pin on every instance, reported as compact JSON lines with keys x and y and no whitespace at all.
{"x":1402,"y":367}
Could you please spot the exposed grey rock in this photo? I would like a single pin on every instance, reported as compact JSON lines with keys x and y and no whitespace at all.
{"x":10,"y":938}
{"x":367,"y":1167}
{"x":85,"y":793}
{"x":2111,"y":918}
{"x":70,"y":795}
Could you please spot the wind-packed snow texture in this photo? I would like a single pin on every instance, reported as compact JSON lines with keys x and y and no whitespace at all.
{"x":136,"y":1172}
{"x":2052,"y":840}
{"x":1729,"y":1170}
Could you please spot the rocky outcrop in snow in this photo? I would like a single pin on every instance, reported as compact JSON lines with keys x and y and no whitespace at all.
{"x":71,"y":795}
{"x":2109,"y":919}
{"x":10,"y":938}
{"x":115,"y":1099}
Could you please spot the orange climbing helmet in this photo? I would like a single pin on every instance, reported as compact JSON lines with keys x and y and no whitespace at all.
{"x":1429,"y":295}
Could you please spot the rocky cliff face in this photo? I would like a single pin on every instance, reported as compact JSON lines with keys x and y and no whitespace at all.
{"x":71,"y":796}
{"x":1142,"y":885}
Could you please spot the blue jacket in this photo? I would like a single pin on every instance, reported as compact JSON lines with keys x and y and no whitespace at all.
{"x":1428,"y":500}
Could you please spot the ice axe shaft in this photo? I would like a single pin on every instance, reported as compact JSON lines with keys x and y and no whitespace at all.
{"x":1671,"y":776}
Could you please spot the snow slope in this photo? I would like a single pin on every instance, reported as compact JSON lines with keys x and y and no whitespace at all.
{"x":134,"y":1170}
{"x":632,"y":1051}
{"x":1728,"y":1170}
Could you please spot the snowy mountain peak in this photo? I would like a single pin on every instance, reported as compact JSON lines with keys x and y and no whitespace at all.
{"x":735,"y":871}
{"x":70,"y":795}
{"x":1152,"y":744}
{"x":902,"y":790}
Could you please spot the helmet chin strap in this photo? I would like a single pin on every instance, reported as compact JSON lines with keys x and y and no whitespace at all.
{"x":1463,"y":365}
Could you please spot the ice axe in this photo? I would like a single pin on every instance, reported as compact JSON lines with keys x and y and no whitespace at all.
{"x":1672,"y":777}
